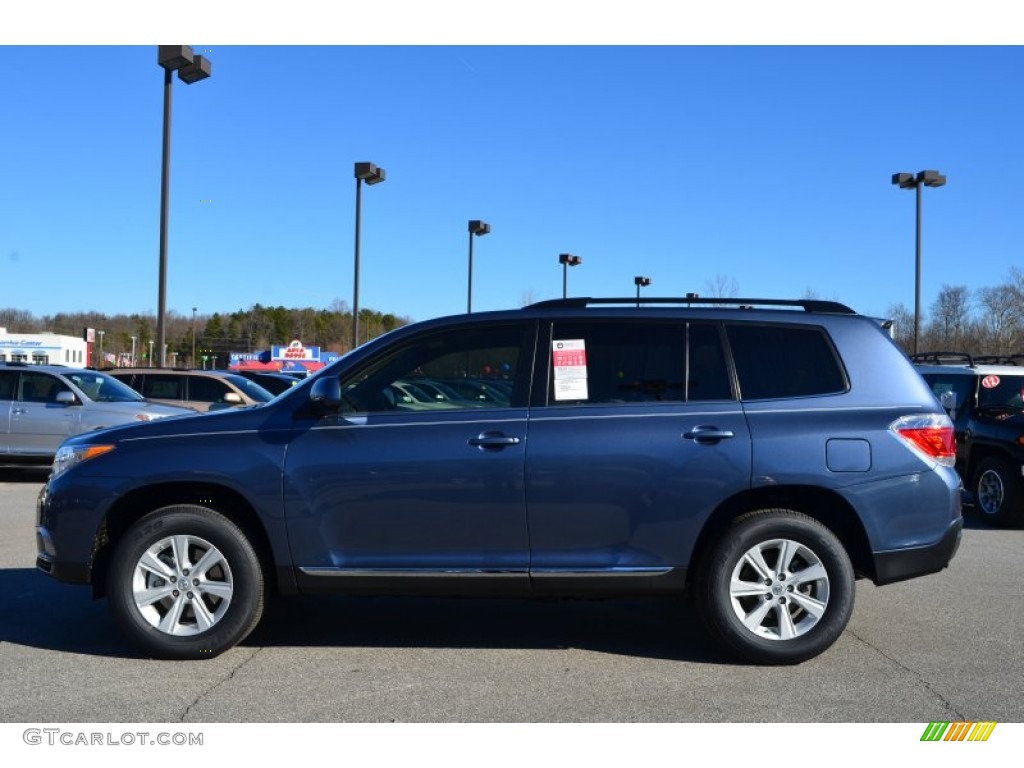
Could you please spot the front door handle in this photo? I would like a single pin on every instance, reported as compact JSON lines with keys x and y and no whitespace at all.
{"x":496,"y":440}
{"x":708,"y":435}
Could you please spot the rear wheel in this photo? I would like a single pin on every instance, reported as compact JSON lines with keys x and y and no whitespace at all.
{"x":998,"y":495}
{"x":185,"y":583}
{"x":777,"y":588}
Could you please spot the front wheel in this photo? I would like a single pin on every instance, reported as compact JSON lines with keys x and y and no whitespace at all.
{"x":776,"y":588}
{"x":185,"y":583}
{"x":998,"y":493}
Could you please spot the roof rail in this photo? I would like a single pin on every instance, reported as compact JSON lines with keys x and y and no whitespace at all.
{"x":808,"y":305}
{"x":938,"y":358}
{"x":1000,"y":359}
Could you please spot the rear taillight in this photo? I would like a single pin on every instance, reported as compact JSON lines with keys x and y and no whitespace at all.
{"x":930,"y":435}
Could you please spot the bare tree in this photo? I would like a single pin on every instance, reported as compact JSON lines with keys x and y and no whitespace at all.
{"x":1001,"y":319}
{"x":950,"y":315}
{"x":721,"y":287}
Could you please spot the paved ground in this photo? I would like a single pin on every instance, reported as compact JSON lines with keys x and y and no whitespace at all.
{"x":946,"y":647}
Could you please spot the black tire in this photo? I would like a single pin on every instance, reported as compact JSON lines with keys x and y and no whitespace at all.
{"x":793,"y":613}
{"x":165,"y":603}
{"x":999,"y":499}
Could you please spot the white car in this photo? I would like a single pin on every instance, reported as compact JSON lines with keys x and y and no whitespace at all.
{"x":41,"y":405}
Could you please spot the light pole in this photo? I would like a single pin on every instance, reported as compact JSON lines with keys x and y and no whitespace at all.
{"x":371,"y":174}
{"x":910,"y":181}
{"x":192,"y":362}
{"x":151,"y":352}
{"x":567,"y":260}
{"x":640,"y":282}
{"x":99,"y":363}
{"x":478,"y":228}
{"x":190,"y":69}
{"x":133,"y":350}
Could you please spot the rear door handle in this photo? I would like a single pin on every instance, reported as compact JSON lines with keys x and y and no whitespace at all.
{"x":487,"y":440}
{"x":708,"y":435}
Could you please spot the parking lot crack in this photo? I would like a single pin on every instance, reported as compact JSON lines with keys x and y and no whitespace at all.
{"x":234,"y":670}
{"x":954,"y":713}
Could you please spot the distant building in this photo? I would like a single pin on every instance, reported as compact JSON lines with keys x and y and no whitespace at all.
{"x":290,"y":357}
{"x":43,"y":349}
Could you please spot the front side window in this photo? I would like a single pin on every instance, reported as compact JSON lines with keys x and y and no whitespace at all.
{"x":476,"y":367}
{"x":777,"y":361}
{"x":41,"y":388}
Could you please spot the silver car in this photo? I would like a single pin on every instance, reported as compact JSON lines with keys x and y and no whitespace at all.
{"x":41,"y":405}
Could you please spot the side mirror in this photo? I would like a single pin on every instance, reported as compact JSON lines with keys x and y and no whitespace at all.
{"x":233,"y":398}
{"x":66,"y":397}
{"x":948,"y":401}
{"x":326,"y":393}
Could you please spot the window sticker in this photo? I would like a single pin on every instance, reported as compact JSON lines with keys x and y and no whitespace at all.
{"x":990,"y":382}
{"x":570,"y":360}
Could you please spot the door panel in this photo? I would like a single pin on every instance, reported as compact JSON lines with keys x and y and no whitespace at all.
{"x":639,"y":440}
{"x":411,"y":475}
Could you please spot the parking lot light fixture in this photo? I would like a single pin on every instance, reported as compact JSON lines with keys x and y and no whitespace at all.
{"x":915,"y":182}
{"x":371,"y":174}
{"x":478,"y":228}
{"x":640,"y":282}
{"x":567,"y":260}
{"x":191,"y":69}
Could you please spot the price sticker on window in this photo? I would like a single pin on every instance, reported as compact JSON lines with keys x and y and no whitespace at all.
{"x":570,"y":362}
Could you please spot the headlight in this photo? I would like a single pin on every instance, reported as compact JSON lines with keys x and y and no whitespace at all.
{"x":70,"y":455}
{"x":149,"y":416}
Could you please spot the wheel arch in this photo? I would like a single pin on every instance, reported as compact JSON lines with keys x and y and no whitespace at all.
{"x":141,"y":501}
{"x":824,"y":505}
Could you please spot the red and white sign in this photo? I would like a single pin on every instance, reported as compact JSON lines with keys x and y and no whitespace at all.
{"x":570,"y":361}
{"x":990,"y":382}
{"x":295,"y":351}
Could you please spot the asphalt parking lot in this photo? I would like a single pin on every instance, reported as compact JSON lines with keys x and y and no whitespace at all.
{"x":946,"y":647}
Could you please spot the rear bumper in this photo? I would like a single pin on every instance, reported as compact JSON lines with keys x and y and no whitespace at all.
{"x":902,"y":564}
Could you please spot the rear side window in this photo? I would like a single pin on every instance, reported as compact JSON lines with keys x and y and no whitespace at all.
{"x":7,"y":379}
{"x":602,"y":362}
{"x":162,"y":386}
{"x":774,"y":361}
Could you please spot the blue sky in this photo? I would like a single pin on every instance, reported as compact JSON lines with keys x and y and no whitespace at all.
{"x":768,"y":166}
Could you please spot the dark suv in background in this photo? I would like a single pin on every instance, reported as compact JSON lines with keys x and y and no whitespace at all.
{"x":984,"y":396}
{"x":757,"y":455}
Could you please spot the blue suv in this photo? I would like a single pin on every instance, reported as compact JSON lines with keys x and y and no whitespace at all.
{"x":756,"y":455}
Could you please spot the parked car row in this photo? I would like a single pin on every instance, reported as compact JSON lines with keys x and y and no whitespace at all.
{"x":984,"y":396}
{"x":757,"y":458}
{"x":41,"y":405}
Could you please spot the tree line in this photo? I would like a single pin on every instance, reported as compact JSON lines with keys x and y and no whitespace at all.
{"x":216,"y":335}
{"x":987,"y":321}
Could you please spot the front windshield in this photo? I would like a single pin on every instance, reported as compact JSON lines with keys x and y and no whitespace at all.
{"x":250,"y":387}
{"x":103,"y":388}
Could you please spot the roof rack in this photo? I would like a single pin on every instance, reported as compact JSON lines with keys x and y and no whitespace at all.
{"x":808,"y":305}
{"x":940,"y":358}
{"x":1000,"y":359}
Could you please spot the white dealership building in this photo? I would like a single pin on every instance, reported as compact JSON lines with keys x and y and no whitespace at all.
{"x":43,"y":349}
